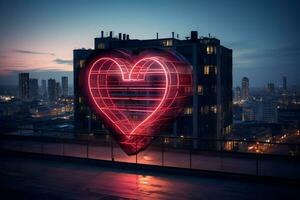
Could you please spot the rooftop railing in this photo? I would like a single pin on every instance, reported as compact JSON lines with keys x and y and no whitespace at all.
{"x":262,"y":158}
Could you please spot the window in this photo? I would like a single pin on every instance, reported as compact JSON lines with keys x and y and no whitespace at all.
{"x":213,"y":109}
{"x":188,"y":90}
{"x":210,"y":69}
{"x":188,"y":111}
{"x":81,"y":63}
{"x":211,"y":50}
{"x":206,"y":70}
{"x":200,"y":89}
{"x":167,"y":43}
{"x":204,"y":110}
{"x":215,"y":70}
{"x":101,"y":46}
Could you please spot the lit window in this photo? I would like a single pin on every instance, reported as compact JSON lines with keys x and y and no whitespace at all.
{"x":167,"y":43}
{"x":200,"y":89}
{"x":213,"y":109}
{"x":211,"y":50}
{"x":81,"y":63}
{"x":210,"y":69}
{"x":101,"y":46}
{"x":188,"y":111}
{"x":206,"y":70}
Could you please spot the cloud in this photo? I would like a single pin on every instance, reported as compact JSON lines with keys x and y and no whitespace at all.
{"x":269,"y":56}
{"x":33,"y":52}
{"x":63,"y":62}
{"x":8,"y":69}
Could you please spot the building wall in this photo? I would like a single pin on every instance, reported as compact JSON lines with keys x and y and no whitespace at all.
{"x":33,"y":88}
{"x":208,"y":113}
{"x":52,"y":91}
{"x":65,"y":86}
{"x":24,"y":86}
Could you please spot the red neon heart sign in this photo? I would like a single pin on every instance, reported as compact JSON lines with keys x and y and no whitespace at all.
{"x":137,"y":95}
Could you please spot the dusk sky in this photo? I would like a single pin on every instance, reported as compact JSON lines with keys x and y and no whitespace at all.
{"x":39,"y":36}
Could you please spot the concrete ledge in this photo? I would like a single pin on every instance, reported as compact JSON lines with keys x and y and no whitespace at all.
{"x":143,"y":168}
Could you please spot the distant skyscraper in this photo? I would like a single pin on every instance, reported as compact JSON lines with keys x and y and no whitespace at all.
{"x":245,"y":88}
{"x":271,"y":88}
{"x":284,"y":91}
{"x":64,"y":84}
{"x":58,"y":90}
{"x":33,"y":88}
{"x":269,"y":110}
{"x":44,"y":89}
{"x":284,"y":83}
{"x":52,"y":92}
{"x":24,"y":86}
{"x":237,"y":93}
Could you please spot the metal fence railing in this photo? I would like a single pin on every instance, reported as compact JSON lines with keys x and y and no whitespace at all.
{"x":267,"y":158}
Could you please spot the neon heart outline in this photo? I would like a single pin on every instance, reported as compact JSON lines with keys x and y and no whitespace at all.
{"x":129,"y":80}
{"x":170,"y":61}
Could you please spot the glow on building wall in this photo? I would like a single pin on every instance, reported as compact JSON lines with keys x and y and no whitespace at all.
{"x":136,"y":95}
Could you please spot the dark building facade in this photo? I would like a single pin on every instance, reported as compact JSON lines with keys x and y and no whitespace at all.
{"x":33,"y":88}
{"x":24,"y":86}
{"x":44,"y":89}
{"x":209,"y":113}
{"x":65,"y":86}
{"x":289,"y":116}
{"x":284,"y":83}
{"x":245,"y":88}
{"x":52,"y":91}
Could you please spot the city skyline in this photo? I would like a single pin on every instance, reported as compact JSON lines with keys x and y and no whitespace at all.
{"x":161,"y":99}
{"x":43,"y":46}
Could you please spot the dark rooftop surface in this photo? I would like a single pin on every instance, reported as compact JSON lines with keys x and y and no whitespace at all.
{"x":33,"y":178}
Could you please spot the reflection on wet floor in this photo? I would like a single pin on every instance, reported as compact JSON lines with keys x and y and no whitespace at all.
{"x":63,"y":180}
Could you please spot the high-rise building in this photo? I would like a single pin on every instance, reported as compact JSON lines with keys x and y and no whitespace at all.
{"x":24,"y":86}
{"x":58,"y":90}
{"x":33,"y":88}
{"x":271,"y":88}
{"x":237,"y":94}
{"x":269,"y":110}
{"x":284,"y":93}
{"x":209,"y":113}
{"x":64,"y":84}
{"x":289,"y":116}
{"x":252,"y":110}
{"x":44,"y":89}
{"x":284,"y":83}
{"x":245,"y":88}
{"x":52,"y":91}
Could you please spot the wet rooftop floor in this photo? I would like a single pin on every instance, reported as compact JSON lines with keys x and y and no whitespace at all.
{"x":32,"y":178}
